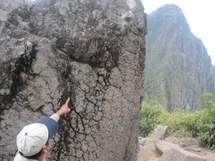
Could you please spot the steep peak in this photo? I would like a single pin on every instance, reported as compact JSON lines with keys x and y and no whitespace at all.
{"x":168,"y":10}
{"x":169,"y":15}
{"x":170,"y":7}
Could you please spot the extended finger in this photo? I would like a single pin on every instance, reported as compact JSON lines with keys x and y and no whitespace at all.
{"x":67,"y":101}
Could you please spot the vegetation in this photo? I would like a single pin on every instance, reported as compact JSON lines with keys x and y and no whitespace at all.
{"x":199,"y":124}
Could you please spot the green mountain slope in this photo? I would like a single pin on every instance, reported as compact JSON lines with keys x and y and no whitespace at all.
{"x":178,"y":68}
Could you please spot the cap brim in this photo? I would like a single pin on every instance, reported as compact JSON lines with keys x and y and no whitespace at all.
{"x":52,"y":126}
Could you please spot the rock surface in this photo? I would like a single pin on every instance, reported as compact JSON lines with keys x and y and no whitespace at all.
{"x":172,"y":148}
{"x":171,"y":152}
{"x":183,"y":142}
{"x":148,"y":153}
{"x":159,"y":132}
{"x":92,"y":51}
{"x":178,"y":155}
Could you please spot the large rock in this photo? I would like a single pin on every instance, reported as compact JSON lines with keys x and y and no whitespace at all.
{"x":90,"y":50}
{"x":147,"y":153}
{"x":159,"y":132}
{"x":147,"y":150}
{"x":177,"y":149}
{"x":172,"y":152}
{"x":176,"y":155}
{"x":183,"y":142}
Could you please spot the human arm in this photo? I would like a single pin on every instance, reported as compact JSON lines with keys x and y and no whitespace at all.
{"x":52,"y":121}
{"x":63,"y":110}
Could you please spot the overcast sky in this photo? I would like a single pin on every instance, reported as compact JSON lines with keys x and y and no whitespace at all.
{"x":200,"y":15}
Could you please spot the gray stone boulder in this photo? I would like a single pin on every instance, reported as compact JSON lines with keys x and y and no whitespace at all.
{"x":177,"y":155}
{"x":90,"y":50}
{"x":172,"y":149}
{"x":183,"y":142}
{"x":170,"y":152}
{"x":159,"y":132}
{"x":147,"y":150}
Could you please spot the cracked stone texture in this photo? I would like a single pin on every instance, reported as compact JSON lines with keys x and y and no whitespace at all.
{"x":90,"y":50}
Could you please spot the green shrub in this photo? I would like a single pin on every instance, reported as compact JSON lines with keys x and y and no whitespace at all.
{"x":199,"y":124}
{"x":183,"y":123}
{"x":209,"y":103}
{"x":149,"y":116}
{"x":207,"y":132}
{"x":207,"y":137}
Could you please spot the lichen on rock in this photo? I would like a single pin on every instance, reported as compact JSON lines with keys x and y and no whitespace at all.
{"x":92,"y":51}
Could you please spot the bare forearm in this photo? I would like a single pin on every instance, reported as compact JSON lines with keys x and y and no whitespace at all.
{"x":55,"y":117}
{"x":63,"y":110}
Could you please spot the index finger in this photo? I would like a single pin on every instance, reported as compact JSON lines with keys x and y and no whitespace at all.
{"x":67,"y":101}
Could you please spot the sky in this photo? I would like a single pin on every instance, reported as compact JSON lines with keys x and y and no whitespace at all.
{"x":200,"y":15}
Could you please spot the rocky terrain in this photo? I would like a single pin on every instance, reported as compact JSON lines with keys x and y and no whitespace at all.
{"x":178,"y":68}
{"x":92,"y":51}
{"x":158,"y":148}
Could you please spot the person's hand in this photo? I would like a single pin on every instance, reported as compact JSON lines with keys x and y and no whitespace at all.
{"x":64,"y":108}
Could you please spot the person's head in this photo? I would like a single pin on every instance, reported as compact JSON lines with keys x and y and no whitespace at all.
{"x":43,"y":153}
{"x":33,"y":141}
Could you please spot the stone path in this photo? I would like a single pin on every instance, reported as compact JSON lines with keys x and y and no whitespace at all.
{"x":171,"y":148}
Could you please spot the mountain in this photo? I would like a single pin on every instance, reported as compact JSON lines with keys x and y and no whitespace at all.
{"x":178,"y":68}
